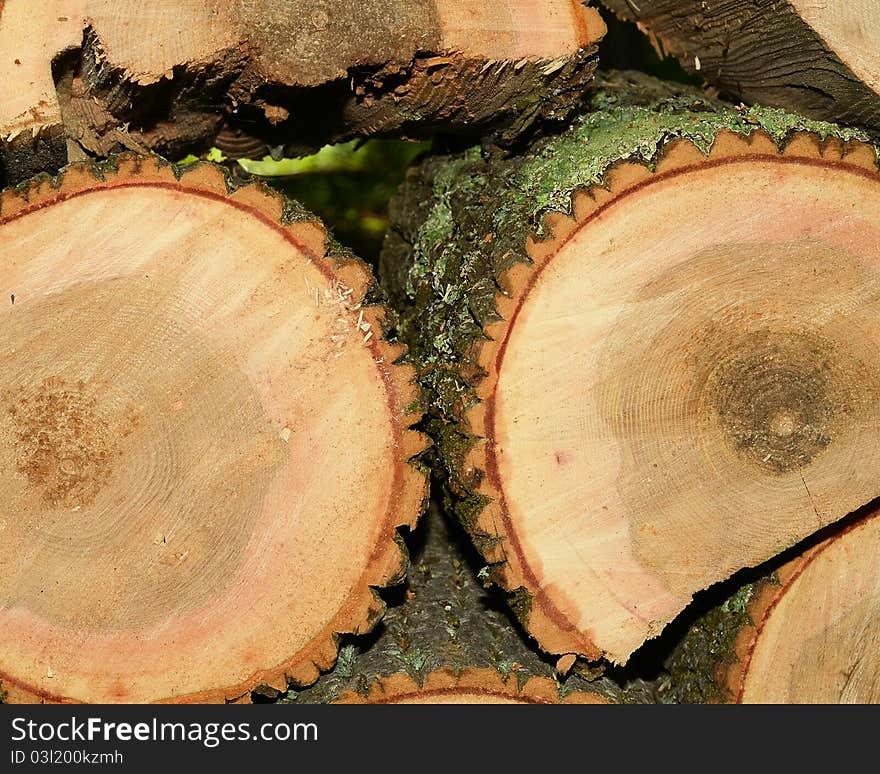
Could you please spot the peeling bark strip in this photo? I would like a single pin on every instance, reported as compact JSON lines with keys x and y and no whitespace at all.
{"x":168,"y":76}
{"x":819,"y":58}
{"x":808,"y":633}
{"x":676,"y":379}
{"x":205,"y":439}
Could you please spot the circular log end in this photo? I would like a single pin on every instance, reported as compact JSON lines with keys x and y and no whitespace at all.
{"x":205,"y":440}
{"x":816,"y":630}
{"x":683,"y":383}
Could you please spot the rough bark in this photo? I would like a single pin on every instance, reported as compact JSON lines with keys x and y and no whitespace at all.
{"x":473,"y":234}
{"x":205,"y":437}
{"x":806,"y":632}
{"x":447,"y":631}
{"x":820,"y":59}
{"x":94,"y":76}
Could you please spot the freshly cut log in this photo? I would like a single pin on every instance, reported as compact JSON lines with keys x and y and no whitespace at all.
{"x":96,"y":76}
{"x":676,"y":379}
{"x":816,"y":632}
{"x":806,"y":633}
{"x":448,"y":635}
{"x":205,"y":439}
{"x":820,"y":58}
{"x":469,"y":687}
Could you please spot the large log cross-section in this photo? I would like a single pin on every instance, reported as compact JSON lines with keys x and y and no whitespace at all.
{"x":204,"y":439}
{"x":673,"y":379}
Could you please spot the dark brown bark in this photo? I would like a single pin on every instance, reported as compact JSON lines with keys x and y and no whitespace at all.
{"x":293,"y":74}
{"x":444,"y":619}
{"x":758,"y":51}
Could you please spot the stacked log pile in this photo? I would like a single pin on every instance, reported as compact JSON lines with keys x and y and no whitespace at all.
{"x":627,"y":327}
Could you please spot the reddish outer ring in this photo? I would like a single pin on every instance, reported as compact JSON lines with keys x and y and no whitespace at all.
{"x":452,"y":691}
{"x":318,"y":261}
{"x":789,"y":583}
{"x":539,"y":596}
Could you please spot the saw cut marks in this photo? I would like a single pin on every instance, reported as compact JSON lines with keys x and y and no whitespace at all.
{"x":204,"y":440}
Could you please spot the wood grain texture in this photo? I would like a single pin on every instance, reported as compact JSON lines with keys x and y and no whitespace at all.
{"x":815,"y":637}
{"x":97,"y":76}
{"x":712,"y":402}
{"x":204,"y":439}
{"x":818,"y":58}
{"x":648,"y":358}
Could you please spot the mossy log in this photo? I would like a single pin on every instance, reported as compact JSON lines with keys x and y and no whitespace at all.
{"x":819,"y":58}
{"x":806,"y":633}
{"x":99,"y":76}
{"x":447,"y":637}
{"x":205,"y":439}
{"x":647,"y":348}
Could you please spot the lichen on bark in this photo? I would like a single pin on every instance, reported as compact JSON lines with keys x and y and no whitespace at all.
{"x":708,"y":647}
{"x":443,"y":618}
{"x":460,"y":221}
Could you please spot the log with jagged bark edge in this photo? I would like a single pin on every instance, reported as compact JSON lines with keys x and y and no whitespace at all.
{"x":806,"y":633}
{"x":447,"y":624}
{"x":816,"y":633}
{"x":471,"y":686}
{"x":674,"y":381}
{"x":821,"y":59}
{"x":95,"y":76}
{"x":205,"y":439}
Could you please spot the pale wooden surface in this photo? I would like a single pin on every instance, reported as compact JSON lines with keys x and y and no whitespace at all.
{"x":165,"y":75}
{"x":684,"y":384}
{"x":203,"y":441}
{"x":851,"y":30}
{"x":816,"y":638}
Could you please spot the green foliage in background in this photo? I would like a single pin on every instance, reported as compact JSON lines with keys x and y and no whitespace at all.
{"x":349,"y":185}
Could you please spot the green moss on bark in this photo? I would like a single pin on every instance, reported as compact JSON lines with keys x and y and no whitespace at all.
{"x":461,"y":220}
{"x":445,"y":619}
{"x":707,"y":648}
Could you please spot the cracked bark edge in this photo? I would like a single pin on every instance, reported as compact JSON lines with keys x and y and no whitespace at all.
{"x":756,"y":51}
{"x":467,"y":686}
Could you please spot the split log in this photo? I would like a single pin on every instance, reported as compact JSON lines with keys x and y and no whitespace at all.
{"x":808,"y":633}
{"x":648,"y":347}
{"x":97,"y":76}
{"x":819,"y":58}
{"x":448,"y":633}
{"x":205,"y":439}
